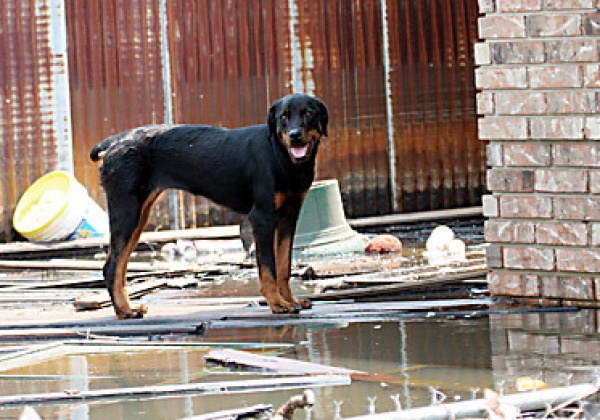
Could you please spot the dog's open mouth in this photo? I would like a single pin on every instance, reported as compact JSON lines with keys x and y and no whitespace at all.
{"x":302,"y":152}
{"x":299,"y":152}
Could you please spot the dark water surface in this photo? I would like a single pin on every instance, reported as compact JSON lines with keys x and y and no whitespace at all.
{"x":457,"y":356}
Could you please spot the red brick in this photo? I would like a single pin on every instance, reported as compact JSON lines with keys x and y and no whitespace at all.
{"x":493,"y":256}
{"x":531,"y":154}
{"x":509,"y":231}
{"x":482,"y":53}
{"x":561,"y":181}
{"x":490,"y":205}
{"x":577,"y":208}
{"x":512,"y":284}
{"x":571,"y":51}
{"x":574,"y":102}
{"x":524,"y":342}
{"x":528,"y":258}
{"x":591,"y":24}
{"x":562,"y":233}
{"x":553,"y":25}
{"x":494,"y":154}
{"x":568,"y":4}
{"x":576,"y":155}
{"x":503,"y":128}
{"x":594,"y":181}
{"x":591,"y":75}
{"x":525,"y":206}
{"x":567,"y":287}
{"x":557,"y":128}
{"x":518,"y":52}
{"x":501,"y":78}
{"x":518,"y":5}
{"x":485,"y":103}
{"x":549,"y":77}
{"x":595,"y":239}
{"x":583,"y":260}
{"x":498,"y":26}
{"x":510,"y":180}
{"x":520,"y":103}
{"x":592,"y":128}
{"x":486,"y":6}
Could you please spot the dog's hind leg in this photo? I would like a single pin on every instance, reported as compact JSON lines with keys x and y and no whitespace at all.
{"x":128,"y":217}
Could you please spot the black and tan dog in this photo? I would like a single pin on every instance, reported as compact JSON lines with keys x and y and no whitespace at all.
{"x":264,"y":171}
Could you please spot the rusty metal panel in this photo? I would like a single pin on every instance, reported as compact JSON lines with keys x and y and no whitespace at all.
{"x":343,"y":55}
{"x":28,"y":146}
{"x":229,"y":62}
{"x":439,"y":161}
{"x":116,"y":78}
{"x":397,"y":76}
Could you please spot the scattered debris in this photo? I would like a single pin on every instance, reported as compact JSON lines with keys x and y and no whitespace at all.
{"x":237,"y":413}
{"x":384,"y":244}
{"x":442,"y":245}
{"x":527,"y":383}
{"x":550,"y":402}
{"x":286,"y":411}
{"x":225,"y":387}
{"x":237,"y":358}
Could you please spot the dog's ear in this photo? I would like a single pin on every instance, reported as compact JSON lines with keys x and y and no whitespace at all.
{"x":272,"y":117}
{"x":323,"y":117}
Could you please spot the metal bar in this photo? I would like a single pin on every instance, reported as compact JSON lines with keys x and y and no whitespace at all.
{"x":389,"y":107}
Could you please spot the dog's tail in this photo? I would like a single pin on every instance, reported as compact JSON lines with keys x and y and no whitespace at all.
{"x":136,"y":134}
{"x":100,"y":149}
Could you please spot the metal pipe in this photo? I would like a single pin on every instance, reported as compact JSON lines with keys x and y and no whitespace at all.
{"x":527,"y":401}
{"x":389,"y":107}
{"x":174,"y":219}
{"x":60,"y":101}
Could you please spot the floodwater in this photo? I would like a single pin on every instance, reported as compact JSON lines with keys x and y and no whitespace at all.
{"x":459,"y":357}
{"x":414,"y":358}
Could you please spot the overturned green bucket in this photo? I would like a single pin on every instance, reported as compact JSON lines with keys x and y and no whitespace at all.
{"x":322,"y":227}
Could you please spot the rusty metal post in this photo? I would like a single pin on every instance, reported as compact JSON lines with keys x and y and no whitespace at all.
{"x":389,"y":110}
{"x":59,"y":101}
{"x":174,"y":219}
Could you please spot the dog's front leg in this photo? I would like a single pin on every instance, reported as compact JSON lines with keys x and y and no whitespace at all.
{"x":284,"y":237}
{"x":263,"y":225}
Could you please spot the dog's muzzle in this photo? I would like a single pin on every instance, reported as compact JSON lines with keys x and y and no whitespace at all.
{"x":299,"y":150}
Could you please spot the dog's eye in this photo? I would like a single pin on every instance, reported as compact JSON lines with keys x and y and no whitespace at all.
{"x":308,"y":114}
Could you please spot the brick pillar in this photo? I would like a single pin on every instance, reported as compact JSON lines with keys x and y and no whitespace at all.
{"x":538,"y":77}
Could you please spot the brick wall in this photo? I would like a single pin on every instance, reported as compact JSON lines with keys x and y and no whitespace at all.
{"x":538,"y":78}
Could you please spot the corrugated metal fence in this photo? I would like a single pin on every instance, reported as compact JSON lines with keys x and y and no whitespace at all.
{"x":397,"y":77}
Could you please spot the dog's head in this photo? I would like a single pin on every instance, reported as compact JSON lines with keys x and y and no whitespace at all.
{"x":298,"y":122}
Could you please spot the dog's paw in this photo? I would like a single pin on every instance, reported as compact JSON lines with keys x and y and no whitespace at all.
{"x":135,"y":313}
{"x":284,"y":308}
{"x":304,"y":303}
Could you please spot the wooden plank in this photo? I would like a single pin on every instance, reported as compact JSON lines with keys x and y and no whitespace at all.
{"x":420,"y":216}
{"x":66,"y":264}
{"x":231,"y":357}
{"x":236,"y":413}
{"x":135,"y":291}
{"x":213,"y":388}
{"x":394,"y":288}
{"x":24,"y":250}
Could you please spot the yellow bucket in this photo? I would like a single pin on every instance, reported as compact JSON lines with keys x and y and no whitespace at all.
{"x":57,"y":207}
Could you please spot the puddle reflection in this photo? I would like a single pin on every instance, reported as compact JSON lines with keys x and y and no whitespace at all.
{"x":456,"y":356}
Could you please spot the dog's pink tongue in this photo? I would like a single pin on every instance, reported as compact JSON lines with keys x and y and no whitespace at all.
{"x":299,"y":152}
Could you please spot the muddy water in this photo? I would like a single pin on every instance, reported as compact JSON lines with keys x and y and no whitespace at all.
{"x":458,"y":356}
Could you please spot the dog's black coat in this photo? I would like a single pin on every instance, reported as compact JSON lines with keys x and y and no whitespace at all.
{"x":264,"y":171}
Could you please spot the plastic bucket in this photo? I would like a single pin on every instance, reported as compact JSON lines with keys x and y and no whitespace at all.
{"x":322,"y":227}
{"x":57,"y":207}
